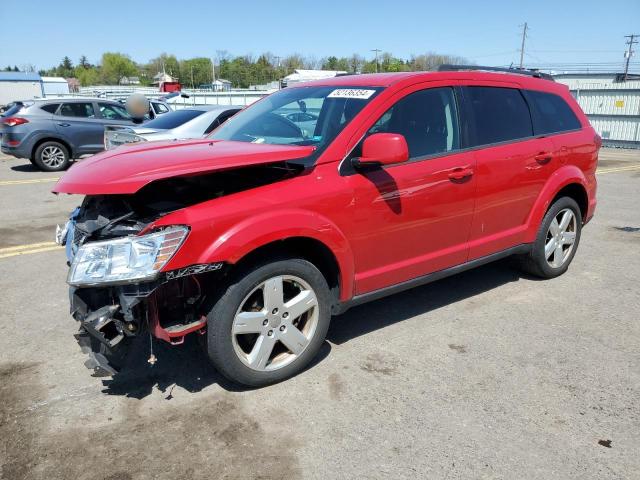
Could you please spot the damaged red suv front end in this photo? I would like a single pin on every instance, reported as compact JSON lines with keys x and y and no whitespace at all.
{"x":121,"y":242}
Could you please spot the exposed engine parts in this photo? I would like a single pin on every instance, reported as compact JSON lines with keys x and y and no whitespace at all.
{"x":170,"y":306}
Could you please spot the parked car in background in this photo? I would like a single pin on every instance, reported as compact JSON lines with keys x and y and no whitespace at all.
{"x":258,"y":234}
{"x":192,"y":122}
{"x":156,"y":107}
{"x":304,"y":120}
{"x":52,"y":132}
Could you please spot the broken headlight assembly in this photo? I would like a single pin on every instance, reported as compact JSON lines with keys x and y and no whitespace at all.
{"x":125,"y":260}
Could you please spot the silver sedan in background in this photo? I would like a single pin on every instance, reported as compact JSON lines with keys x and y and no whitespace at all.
{"x":192,"y":122}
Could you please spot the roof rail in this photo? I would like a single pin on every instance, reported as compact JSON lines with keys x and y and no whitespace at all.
{"x":516,"y":71}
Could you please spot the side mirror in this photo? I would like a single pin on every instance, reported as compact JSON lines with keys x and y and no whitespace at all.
{"x":383,"y":149}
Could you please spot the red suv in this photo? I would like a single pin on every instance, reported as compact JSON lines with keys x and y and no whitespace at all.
{"x":255,"y":236}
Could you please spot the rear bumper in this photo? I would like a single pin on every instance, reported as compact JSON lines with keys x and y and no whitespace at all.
{"x":18,"y":152}
{"x":21,"y":150}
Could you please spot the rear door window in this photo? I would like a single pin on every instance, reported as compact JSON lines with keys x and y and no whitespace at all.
{"x":113,"y":112}
{"x":427,"y":119}
{"x":79,"y":109}
{"x":500,"y":114}
{"x":550,"y":113}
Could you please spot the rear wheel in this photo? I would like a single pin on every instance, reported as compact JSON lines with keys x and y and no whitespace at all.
{"x":51,"y":157}
{"x":557,"y":240}
{"x":269,"y":323}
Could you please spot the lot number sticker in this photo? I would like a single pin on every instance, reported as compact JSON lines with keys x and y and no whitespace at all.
{"x":351,"y":93}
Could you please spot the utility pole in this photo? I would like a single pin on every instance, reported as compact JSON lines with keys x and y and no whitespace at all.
{"x":376,"y":50}
{"x":277,"y":70}
{"x":524,"y":36}
{"x":629,"y":53}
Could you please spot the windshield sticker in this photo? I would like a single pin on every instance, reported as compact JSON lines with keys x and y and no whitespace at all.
{"x":351,"y":93}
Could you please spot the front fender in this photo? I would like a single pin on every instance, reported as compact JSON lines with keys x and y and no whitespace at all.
{"x":562,"y":177}
{"x":259,"y":230}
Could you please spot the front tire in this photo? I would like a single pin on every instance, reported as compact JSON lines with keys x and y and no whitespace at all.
{"x":557,"y":240}
{"x":52,"y":157}
{"x":269,"y":323}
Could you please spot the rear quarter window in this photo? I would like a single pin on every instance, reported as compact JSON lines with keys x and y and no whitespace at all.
{"x":551,"y":113}
{"x":50,"y":108}
{"x":499,"y":114}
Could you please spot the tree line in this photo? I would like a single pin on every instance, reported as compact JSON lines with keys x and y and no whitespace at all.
{"x":242,"y":71}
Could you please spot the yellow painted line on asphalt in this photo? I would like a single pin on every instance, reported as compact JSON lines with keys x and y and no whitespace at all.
{"x":30,"y":246}
{"x":31,"y":180}
{"x":28,"y":249}
{"x":618,"y":169}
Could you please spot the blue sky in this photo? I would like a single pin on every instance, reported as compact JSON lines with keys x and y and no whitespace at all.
{"x":487,"y":32}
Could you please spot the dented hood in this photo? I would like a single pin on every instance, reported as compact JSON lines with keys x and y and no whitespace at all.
{"x":126,"y":170}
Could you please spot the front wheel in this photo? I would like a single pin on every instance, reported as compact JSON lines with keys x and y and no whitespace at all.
{"x":557,"y":240}
{"x":270,"y":322}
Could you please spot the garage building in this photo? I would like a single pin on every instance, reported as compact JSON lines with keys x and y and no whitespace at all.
{"x":612,"y":103}
{"x":19,"y":86}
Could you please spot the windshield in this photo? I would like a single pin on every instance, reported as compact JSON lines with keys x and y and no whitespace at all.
{"x":297,"y":116}
{"x":173,"y":119}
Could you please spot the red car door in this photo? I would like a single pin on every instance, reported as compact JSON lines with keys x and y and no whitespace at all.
{"x":512,"y":167}
{"x":414,"y":218}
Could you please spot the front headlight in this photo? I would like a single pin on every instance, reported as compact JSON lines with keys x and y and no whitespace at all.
{"x":125,"y":259}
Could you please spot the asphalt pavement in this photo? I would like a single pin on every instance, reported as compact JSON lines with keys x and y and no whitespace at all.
{"x":488,"y":374}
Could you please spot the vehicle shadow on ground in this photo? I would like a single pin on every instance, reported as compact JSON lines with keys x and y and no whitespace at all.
{"x":26,"y":167}
{"x":188,"y":367}
{"x":185,"y":366}
{"x":396,"y":308}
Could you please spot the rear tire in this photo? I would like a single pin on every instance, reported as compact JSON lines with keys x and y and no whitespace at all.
{"x":51,"y":157}
{"x":557,"y":240}
{"x":269,"y":323}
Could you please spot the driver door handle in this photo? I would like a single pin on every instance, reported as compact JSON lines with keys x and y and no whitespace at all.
{"x":543,"y":158}
{"x":64,"y":124}
{"x":460,"y":173}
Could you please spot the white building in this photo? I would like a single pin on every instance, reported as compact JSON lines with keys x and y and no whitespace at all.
{"x":611,"y":102}
{"x":55,"y":85}
{"x":129,"y":81}
{"x":162,"y":77}
{"x":19,"y":86}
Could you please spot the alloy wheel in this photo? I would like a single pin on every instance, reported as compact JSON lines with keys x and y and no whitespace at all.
{"x":275,"y":323}
{"x":561,"y":238}
{"x":53,"y":156}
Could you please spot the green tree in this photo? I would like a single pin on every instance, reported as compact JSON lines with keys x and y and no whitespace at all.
{"x":87,"y":76}
{"x":115,"y":66}
{"x":196,"y":71}
{"x":83,"y":62}
{"x":167,"y":62}
{"x":64,"y":68}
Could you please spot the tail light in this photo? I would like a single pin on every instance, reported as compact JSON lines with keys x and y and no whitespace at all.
{"x":13,"y":121}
